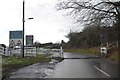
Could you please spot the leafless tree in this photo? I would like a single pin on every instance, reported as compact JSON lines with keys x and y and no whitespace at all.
{"x":104,"y":13}
{"x":94,"y":12}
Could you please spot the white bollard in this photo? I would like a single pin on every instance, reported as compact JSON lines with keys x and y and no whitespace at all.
{"x":61,"y":52}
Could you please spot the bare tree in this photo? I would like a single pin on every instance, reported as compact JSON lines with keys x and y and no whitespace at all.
{"x":94,"y":12}
{"x":105,"y":13}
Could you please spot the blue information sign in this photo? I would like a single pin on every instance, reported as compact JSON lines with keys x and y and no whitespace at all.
{"x":16,"y":34}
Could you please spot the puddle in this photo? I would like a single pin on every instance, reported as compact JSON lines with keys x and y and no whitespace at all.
{"x":37,"y":70}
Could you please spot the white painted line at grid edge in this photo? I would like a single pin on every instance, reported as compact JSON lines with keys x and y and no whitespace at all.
{"x":102,"y":71}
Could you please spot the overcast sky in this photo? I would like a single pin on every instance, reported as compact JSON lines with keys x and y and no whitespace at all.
{"x":48,"y":24}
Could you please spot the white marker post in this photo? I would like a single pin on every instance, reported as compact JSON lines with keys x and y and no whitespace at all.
{"x":61,"y":52}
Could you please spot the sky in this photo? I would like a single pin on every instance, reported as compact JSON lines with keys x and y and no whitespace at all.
{"x":48,"y":25}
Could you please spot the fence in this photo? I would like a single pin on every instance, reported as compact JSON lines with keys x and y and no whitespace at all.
{"x":54,"y":52}
{"x":1,"y":50}
{"x":1,"y":53}
{"x":28,"y":51}
{"x":0,"y":67}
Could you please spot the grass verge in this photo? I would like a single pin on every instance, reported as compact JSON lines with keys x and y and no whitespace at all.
{"x":10,"y":64}
{"x":114,"y":57}
{"x":96,"y":51}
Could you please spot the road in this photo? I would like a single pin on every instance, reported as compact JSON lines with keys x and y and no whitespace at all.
{"x":73,"y":66}
{"x":85,"y":66}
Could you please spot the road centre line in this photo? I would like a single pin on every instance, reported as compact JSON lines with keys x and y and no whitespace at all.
{"x":101,"y":71}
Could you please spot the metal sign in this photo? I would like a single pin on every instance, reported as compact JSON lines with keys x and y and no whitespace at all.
{"x":16,"y":34}
{"x":19,"y":43}
{"x":29,"y":40}
{"x":15,"y":38}
{"x":12,"y":43}
{"x":103,"y":37}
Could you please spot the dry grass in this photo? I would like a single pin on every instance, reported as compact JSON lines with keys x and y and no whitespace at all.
{"x":96,"y":51}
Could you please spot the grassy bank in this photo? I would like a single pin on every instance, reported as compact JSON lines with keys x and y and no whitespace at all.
{"x":10,"y":64}
{"x":94,"y":51}
{"x":113,"y":54}
{"x":114,"y":57}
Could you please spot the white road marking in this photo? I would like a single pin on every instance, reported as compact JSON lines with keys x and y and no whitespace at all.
{"x":102,"y":71}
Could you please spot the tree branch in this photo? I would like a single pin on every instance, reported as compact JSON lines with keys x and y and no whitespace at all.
{"x":90,"y":7}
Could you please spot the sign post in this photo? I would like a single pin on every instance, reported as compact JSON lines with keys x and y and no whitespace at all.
{"x":15,"y":39}
{"x":23,"y":26}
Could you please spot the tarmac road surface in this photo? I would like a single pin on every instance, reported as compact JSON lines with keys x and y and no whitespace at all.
{"x":75,"y":65}
{"x":85,"y":66}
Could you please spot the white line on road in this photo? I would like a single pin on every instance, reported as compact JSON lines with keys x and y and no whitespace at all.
{"x":102,"y":71}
